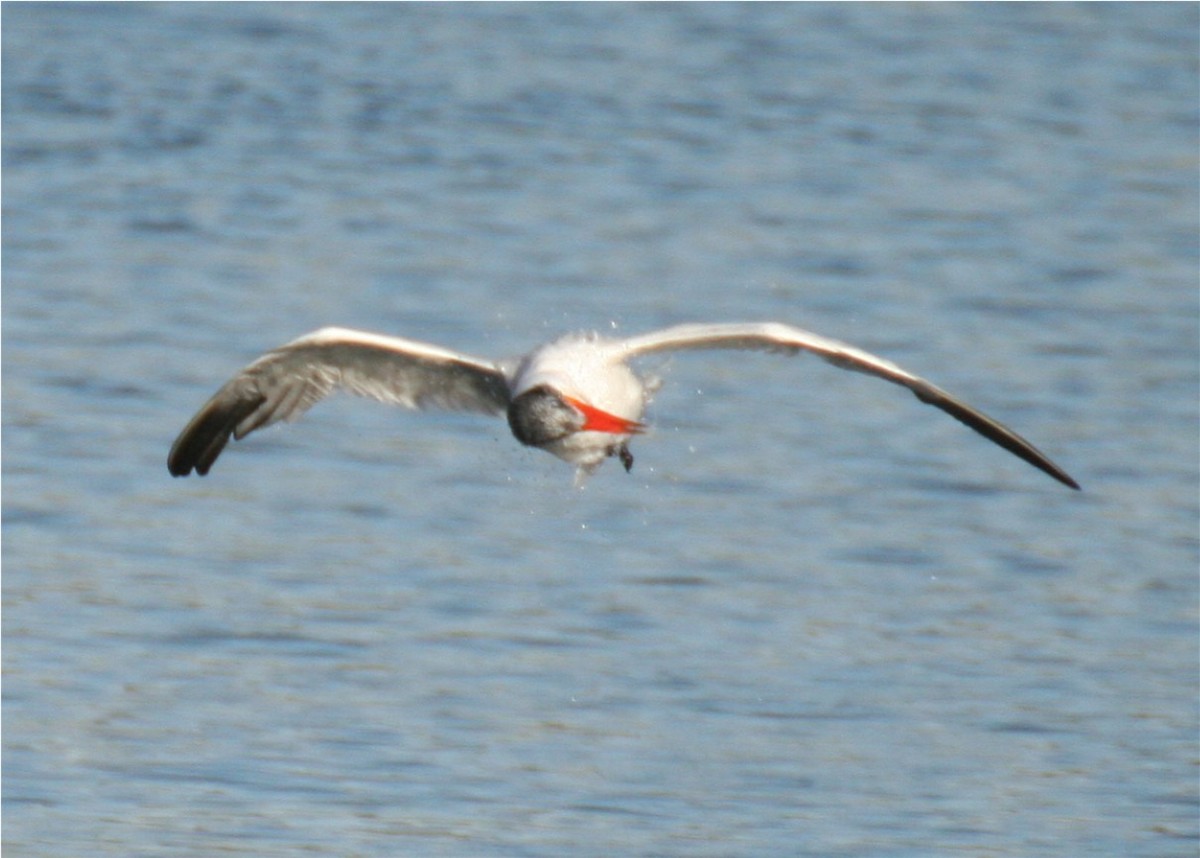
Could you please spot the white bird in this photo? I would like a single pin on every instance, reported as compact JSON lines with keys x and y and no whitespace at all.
{"x":574,"y":397}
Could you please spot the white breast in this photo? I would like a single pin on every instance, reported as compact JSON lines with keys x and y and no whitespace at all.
{"x":584,"y":367}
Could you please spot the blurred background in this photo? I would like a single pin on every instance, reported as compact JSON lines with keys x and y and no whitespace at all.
{"x":818,"y":618}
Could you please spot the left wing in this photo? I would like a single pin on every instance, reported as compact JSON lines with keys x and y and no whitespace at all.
{"x":772,"y":336}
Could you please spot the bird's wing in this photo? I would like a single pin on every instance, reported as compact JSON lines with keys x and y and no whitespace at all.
{"x":286,"y":382}
{"x":771,"y":336}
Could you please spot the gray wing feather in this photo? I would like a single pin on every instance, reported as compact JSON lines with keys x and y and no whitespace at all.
{"x":771,"y":336}
{"x":286,"y":382}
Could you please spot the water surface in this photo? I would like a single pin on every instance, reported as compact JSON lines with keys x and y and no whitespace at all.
{"x":818,"y":618}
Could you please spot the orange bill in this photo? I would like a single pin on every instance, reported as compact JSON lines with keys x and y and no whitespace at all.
{"x":596,"y":420}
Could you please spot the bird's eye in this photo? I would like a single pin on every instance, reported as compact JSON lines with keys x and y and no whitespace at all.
{"x":539,"y":416}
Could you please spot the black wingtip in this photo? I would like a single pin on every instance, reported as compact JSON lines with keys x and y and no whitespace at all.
{"x":1056,"y":472}
{"x":993,"y":430}
{"x":203,"y":439}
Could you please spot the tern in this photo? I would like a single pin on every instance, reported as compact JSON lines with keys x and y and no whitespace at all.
{"x":574,"y":397}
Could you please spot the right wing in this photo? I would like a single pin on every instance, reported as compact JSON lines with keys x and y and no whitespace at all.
{"x":286,"y":382}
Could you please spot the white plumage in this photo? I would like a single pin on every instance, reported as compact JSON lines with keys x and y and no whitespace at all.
{"x":575,"y":397}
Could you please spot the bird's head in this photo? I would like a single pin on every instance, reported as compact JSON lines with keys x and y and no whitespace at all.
{"x":541,"y":416}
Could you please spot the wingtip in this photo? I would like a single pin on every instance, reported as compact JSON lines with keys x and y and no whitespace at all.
{"x":1043,"y":463}
{"x":184,"y":469}
{"x":178,"y":466}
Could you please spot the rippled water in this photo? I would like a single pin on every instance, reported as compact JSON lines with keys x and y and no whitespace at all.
{"x":818,"y":618}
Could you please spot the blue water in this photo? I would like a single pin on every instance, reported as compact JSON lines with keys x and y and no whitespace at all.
{"x":818,"y":618}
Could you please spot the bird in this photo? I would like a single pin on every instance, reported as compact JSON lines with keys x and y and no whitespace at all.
{"x":575,"y":397}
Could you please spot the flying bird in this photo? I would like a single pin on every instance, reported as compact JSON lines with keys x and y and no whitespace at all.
{"x":574,"y":397}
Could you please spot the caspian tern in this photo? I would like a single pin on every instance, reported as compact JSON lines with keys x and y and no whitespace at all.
{"x":574,"y":397}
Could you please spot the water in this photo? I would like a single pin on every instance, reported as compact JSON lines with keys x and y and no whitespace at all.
{"x":817,"y":619}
